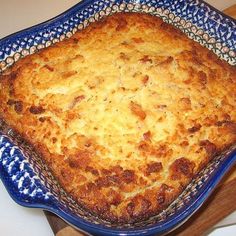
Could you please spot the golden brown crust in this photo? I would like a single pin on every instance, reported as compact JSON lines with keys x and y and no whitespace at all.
{"x":125,"y":112}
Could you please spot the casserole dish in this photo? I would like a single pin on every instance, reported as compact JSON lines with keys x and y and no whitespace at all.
{"x":44,"y":174}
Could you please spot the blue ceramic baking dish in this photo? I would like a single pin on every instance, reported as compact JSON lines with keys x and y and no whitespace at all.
{"x":27,"y":178}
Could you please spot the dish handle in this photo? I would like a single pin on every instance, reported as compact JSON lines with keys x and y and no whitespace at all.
{"x":22,"y":184}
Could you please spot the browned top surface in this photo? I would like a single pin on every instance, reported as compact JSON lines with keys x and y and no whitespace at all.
{"x":125,"y":113}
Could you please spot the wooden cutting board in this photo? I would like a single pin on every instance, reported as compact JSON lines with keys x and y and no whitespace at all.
{"x":220,"y":204}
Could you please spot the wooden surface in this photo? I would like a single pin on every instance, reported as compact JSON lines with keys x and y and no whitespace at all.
{"x":220,"y":204}
{"x":231,"y":11}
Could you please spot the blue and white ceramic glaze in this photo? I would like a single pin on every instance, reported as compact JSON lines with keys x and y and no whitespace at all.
{"x":27,"y":178}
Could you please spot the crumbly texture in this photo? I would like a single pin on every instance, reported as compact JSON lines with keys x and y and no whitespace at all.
{"x":125,"y":113}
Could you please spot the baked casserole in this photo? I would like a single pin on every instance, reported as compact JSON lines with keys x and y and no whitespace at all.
{"x":125,"y":113}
